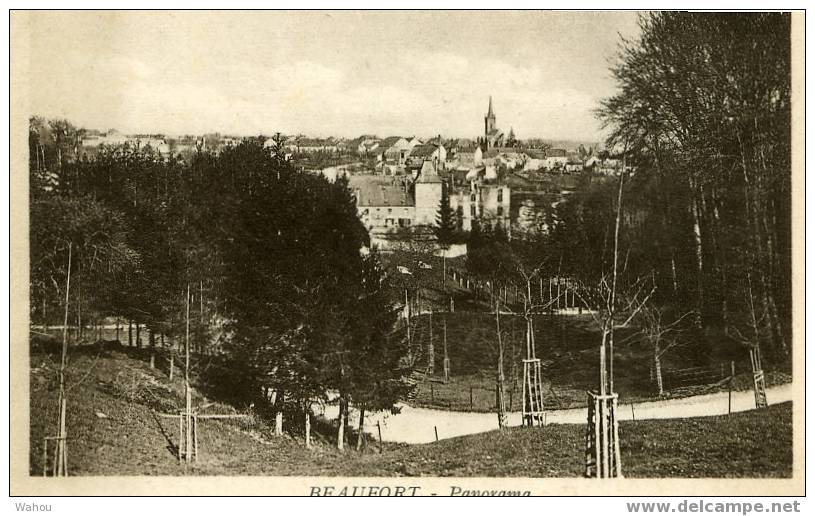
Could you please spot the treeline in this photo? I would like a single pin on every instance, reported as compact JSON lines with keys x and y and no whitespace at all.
{"x":270,"y":256}
{"x":703,"y":117}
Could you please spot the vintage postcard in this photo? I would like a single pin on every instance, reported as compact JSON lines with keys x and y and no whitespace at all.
{"x":407,"y":253}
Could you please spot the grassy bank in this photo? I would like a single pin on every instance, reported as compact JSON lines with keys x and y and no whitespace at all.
{"x":114,"y":426}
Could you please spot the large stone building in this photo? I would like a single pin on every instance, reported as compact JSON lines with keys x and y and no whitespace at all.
{"x":385,"y":204}
{"x":487,"y":203}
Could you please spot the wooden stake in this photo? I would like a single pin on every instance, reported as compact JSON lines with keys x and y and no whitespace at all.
{"x":45,"y":457}
{"x":379,"y":431}
{"x":308,"y":430}
{"x":618,"y":466}
{"x":195,"y":437}
{"x":446,"y":357}
{"x":180,"y":436}
{"x":341,"y":429}
{"x":597,"y":442}
{"x":278,"y":417}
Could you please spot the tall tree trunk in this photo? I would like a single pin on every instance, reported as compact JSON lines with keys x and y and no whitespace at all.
{"x":407,"y":329}
{"x":278,"y":402}
{"x":152,"y":341}
{"x":61,"y":453}
{"x":697,"y":240}
{"x":431,"y":349}
{"x":500,"y":377}
{"x":341,"y":424}
{"x":361,"y":429}
{"x":753,"y":208}
{"x":201,"y":346}
{"x":308,"y":426}
{"x":658,"y":368}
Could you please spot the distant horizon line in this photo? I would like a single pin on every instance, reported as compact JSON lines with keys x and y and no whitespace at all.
{"x":323,"y":136}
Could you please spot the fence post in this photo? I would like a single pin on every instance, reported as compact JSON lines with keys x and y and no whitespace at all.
{"x":432,"y":394}
{"x":471,"y":398}
{"x":436,"y":430}
{"x":379,"y":431}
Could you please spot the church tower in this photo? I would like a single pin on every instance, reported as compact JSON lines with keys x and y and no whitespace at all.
{"x":489,"y":121}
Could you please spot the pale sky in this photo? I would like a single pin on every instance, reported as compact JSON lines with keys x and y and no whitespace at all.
{"x":325,"y":73}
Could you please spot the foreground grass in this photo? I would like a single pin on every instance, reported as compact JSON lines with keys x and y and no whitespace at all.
{"x":114,"y":429}
{"x":752,"y":444}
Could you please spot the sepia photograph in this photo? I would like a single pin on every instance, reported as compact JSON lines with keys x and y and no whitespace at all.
{"x":500,"y":253}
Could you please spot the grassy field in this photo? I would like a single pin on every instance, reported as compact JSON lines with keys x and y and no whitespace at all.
{"x":114,"y":429}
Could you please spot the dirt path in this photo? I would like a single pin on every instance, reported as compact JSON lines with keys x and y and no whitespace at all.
{"x":419,"y":425}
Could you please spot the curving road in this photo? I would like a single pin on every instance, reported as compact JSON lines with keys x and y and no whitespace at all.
{"x":416,"y":425}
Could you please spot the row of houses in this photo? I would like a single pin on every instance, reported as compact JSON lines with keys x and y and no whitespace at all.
{"x":164,"y":146}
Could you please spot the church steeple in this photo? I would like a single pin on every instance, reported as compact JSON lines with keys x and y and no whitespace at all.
{"x":489,"y":120}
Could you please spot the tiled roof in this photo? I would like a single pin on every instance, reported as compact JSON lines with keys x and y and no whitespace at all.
{"x":377,"y":191}
{"x":388,"y":142}
{"x":535,"y":153}
{"x":423,"y":150}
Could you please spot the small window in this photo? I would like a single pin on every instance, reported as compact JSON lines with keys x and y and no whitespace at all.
{"x":472,"y":211}
{"x":472,"y":196}
{"x":389,"y":210}
{"x":388,"y":222}
{"x":500,"y":195}
{"x":500,"y":211}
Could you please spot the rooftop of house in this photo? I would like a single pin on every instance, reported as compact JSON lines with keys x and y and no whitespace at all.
{"x":556,"y":153}
{"x":423,"y":150}
{"x":428,"y":174}
{"x":379,"y":191}
{"x":312,"y":142}
{"x":388,"y":142}
{"x":535,"y":153}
